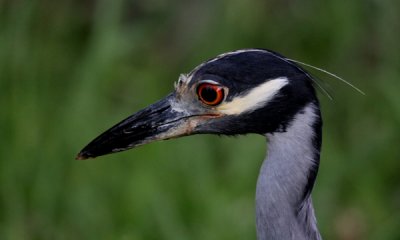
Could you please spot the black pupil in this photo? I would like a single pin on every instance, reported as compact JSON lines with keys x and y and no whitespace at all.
{"x":209,"y":94}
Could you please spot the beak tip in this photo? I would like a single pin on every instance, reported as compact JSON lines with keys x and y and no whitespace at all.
{"x":82,"y":156}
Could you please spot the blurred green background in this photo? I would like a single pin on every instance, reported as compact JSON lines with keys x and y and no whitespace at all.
{"x":71,"y":69}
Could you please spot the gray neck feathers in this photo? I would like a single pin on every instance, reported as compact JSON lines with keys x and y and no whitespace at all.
{"x":283,"y":202}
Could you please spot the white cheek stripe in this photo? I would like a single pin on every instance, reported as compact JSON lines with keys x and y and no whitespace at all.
{"x":254,"y":99}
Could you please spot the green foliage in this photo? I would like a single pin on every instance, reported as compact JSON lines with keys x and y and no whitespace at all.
{"x":70,"y":69}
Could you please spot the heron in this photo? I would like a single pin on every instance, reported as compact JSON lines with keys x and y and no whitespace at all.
{"x":246,"y":91}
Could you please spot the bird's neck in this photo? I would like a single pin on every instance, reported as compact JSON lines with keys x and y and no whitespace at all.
{"x":283,"y":202}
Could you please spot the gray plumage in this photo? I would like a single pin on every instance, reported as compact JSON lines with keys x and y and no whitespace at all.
{"x":283,"y":210}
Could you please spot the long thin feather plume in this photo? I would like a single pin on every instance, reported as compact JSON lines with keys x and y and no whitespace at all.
{"x":328,"y":73}
{"x":295,"y":63}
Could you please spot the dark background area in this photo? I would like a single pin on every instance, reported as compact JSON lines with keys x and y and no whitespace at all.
{"x":71,"y":69}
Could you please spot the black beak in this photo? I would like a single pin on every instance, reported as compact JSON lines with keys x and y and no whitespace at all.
{"x":159,"y":121}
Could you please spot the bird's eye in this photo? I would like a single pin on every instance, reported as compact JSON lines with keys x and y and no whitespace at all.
{"x":210,"y":94}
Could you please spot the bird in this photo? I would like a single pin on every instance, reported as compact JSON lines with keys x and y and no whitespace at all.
{"x":247,"y":91}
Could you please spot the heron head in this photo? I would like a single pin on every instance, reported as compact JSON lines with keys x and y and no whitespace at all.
{"x":247,"y":91}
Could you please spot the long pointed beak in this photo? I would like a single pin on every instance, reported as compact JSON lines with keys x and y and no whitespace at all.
{"x":159,"y":121}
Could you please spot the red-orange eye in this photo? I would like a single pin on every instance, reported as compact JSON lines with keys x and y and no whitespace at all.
{"x":210,"y":94}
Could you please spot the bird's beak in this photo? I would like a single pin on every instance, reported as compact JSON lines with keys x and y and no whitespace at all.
{"x":159,"y":121}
